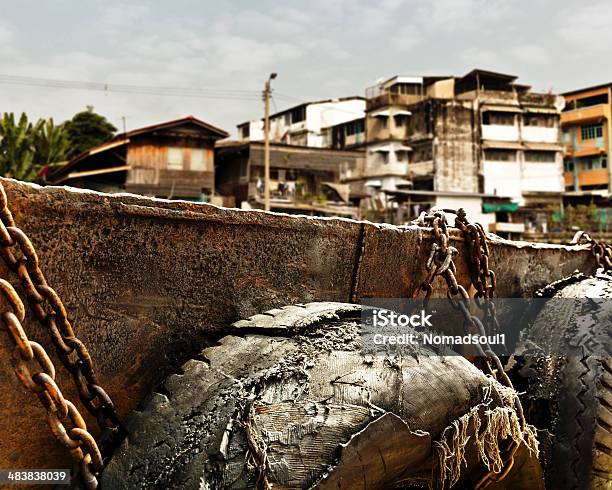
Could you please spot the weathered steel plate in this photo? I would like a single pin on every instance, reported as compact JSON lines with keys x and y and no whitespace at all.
{"x":149,"y":283}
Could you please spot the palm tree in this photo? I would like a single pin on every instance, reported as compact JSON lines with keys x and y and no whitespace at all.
{"x":16,"y":148}
{"x":51,"y":143}
{"x":26,"y":147}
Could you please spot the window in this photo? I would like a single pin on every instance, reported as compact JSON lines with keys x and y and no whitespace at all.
{"x":500,"y":155}
{"x":198,"y":159}
{"x":406,"y":88}
{"x":593,"y":163}
{"x":400,"y":120}
{"x":298,"y":114}
{"x":175,"y":158}
{"x":591,"y":132}
{"x":498,"y":118}
{"x":245,"y":131}
{"x":567,"y":137}
{"x":591,"y":101}
{"x":540,"y":156}
{"x":539,"y":120}
{"x":423,"y":153}
{"x":568,"y":165}
{"x":354,"y":127}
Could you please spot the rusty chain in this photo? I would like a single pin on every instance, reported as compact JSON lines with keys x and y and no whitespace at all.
{"x":601,"y":250}
{"x":60,"y":411}
{"x":20,"y":257}
{"x":441,"y":263}
{"x":72,"y":352}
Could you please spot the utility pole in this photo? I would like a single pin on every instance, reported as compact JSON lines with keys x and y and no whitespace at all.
{"x":266,"y":94}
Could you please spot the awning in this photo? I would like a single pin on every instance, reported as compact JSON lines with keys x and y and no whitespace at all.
{"x":343,"y":190}
{"x":382,"y":149}
{"x":540,"y":110}
{"x":503,"y":145}
{"x":402,"y":182}
{"x":381,"y":113}
{"x":542,"y":146}
{"x":492,"y":207}
{"x":403,"y":148}
{"x":500,"y":108}
{"x":373,"y":183}
{"x":90,"y":173}
{"x":401,"y":113}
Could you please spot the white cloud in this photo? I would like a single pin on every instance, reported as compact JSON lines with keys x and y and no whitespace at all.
{"x":321,"y":48}
{"x":587,"y":26}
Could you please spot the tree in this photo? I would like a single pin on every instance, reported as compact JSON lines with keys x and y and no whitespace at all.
{"x":51,"y":143}
{"x":16,"y":148}
{"x":26,"y":147}
{"x":87,"y":129}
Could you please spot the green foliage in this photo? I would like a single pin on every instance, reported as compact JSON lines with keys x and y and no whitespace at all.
{"x":87,"y":129}
{"x":583,"y":217}
{"x":26,"y":147}
{"x":51,"y":143}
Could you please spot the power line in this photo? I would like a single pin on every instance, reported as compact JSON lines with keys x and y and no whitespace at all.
{"x":208,"y":93}
{"x":187,"y":92}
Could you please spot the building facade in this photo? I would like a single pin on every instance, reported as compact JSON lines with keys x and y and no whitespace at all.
{"x":482,"y":135}
{"x":347,"y":135}
{"x":174,"y":159}
{"x":302,"y":180}
{"x":587,"y":134}
{"x":305,"y":124}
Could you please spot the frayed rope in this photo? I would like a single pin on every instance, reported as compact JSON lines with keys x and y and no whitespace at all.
{"x":497,"y":424}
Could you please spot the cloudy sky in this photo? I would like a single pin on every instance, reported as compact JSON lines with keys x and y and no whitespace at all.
{"x":320,"y":49}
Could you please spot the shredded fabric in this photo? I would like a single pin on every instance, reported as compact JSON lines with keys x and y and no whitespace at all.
{"x":488,"y":427}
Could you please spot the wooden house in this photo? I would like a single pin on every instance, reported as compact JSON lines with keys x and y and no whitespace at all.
{"x":174,"y":159}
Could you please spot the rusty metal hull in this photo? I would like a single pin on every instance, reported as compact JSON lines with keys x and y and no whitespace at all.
{"x":149,"y":283}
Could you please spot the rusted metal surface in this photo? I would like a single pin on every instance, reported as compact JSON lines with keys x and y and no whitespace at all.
{"x":149,"y":283}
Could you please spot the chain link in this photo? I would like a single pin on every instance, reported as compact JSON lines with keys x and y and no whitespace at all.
{"x":440,"y":263}
{"x":19,"y":255}
{"x":60,"y":411}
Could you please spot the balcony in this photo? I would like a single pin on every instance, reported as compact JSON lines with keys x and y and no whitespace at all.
{"x":387,"y":99}
{"x":500,"y":132}
{"x":593,"y":113}
{"x":589,"y":147}
{"x":421,"y":169}
{"x":540,"y":134}
{"x":598,"y":176}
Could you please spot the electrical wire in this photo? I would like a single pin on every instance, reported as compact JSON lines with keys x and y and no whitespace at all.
{"x":208,"y":93}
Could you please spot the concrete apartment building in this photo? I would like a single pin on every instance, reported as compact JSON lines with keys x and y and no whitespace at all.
{"x":481,"y":141}
{"x":587,"y":134}
{"x":348,"y":135}
{"x":309,"y":123}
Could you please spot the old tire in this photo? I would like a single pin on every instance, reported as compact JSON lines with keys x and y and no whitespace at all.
{"x":290,"y":401}
{"x":571,"y":395}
